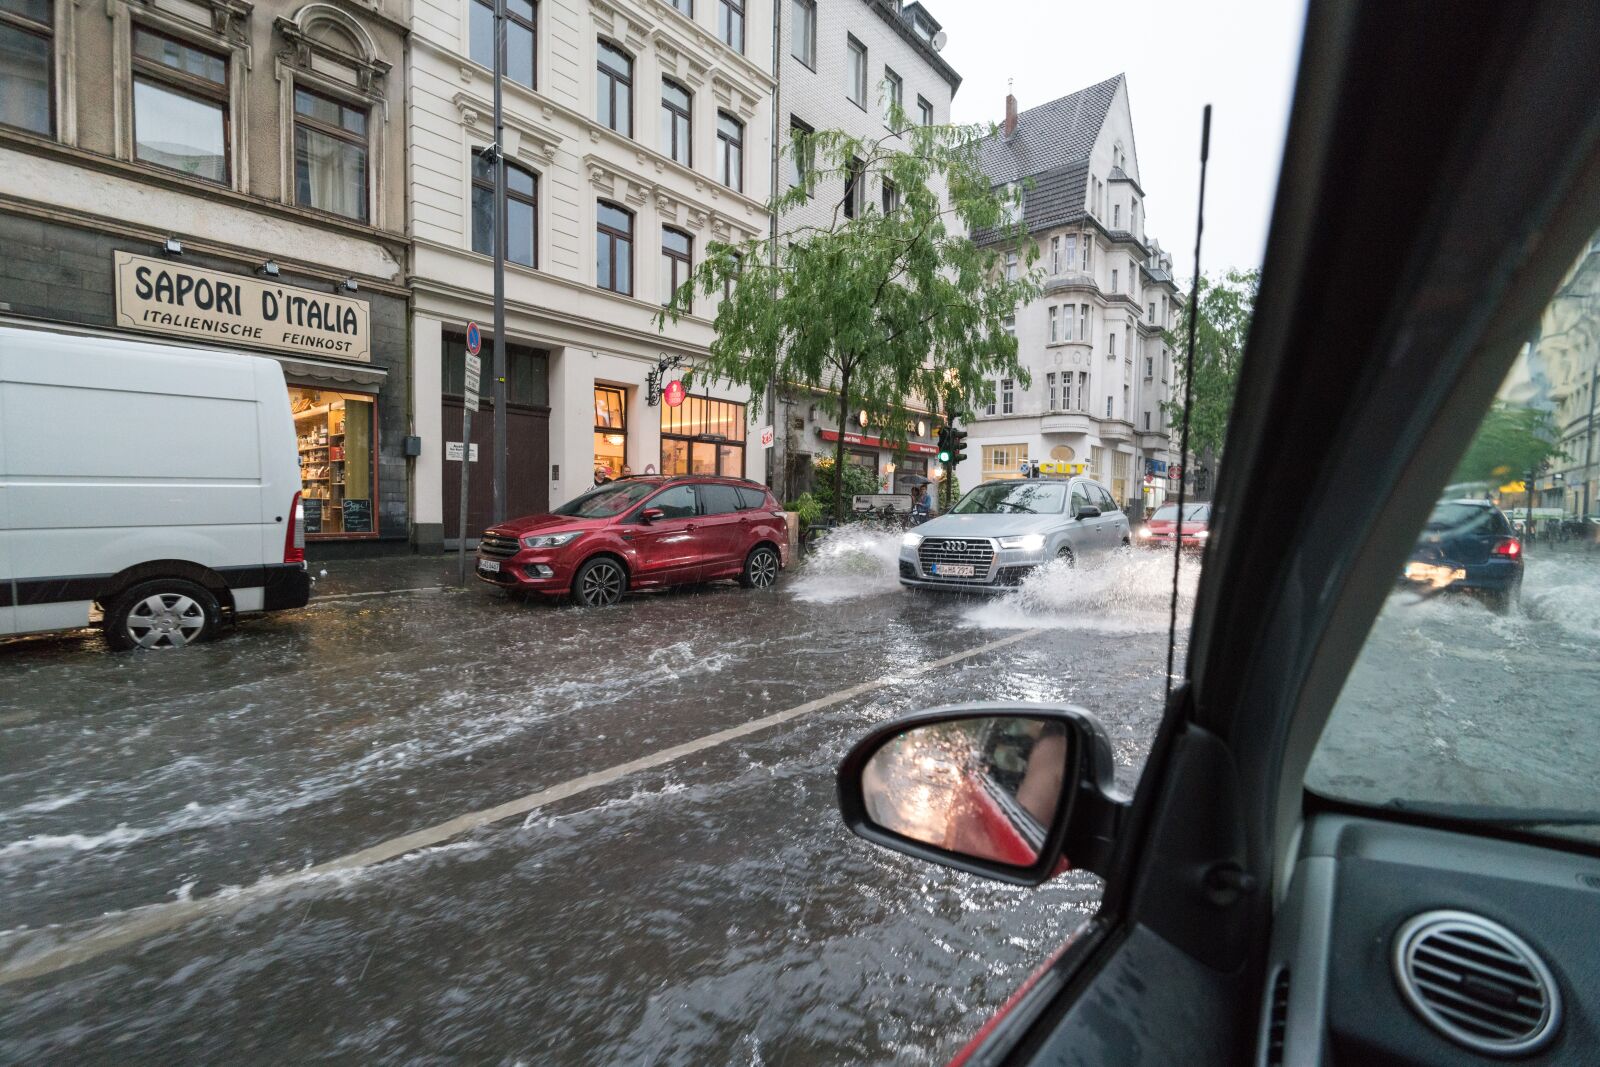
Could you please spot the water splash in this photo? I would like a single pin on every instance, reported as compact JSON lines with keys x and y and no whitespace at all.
{"x":856,"y":561}
{"x":1125,"y":592}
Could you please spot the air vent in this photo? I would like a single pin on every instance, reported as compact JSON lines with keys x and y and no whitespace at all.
{"x":1277,"y":1019}
{"x":1477,"y":983}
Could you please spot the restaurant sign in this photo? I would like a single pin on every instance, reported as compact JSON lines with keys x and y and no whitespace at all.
{"x":164,"y":296}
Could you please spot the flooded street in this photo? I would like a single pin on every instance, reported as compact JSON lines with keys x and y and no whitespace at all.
{"x":207,"y":856}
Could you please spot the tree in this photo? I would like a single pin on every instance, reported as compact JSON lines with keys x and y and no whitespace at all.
{"x":855,"y":480}
{"x":1511,"y":442}
{"x":881,"y":308}
{"x":1225,"y":308}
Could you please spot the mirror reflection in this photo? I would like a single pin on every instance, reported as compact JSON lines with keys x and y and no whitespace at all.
{"x":983,"y":787}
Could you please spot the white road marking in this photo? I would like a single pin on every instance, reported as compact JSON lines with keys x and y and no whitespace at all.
{"x":126,"y":928}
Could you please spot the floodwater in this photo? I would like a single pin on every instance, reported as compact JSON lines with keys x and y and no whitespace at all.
{"x":708,"y":909}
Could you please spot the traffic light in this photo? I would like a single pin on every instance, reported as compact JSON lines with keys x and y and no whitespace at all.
{"x":958,"y":446}
{"x":945,"y":447}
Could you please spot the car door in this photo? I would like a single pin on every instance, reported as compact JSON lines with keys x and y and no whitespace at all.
{"x":669,"y":549}
{"x":1113,"y":524}
{"x":1083,"y":531}
{"x":1180,"y":964}
{"x":724,"y":527}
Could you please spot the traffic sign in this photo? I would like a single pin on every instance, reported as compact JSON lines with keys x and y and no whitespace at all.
{"x":474,"y":339}
{"x":473,"y":377}
{"x":674,"y":393}
{"x":767,"y":436}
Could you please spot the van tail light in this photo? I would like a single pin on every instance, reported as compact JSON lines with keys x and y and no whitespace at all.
{"x":294,"y":538}
{"x":1509,"y":548}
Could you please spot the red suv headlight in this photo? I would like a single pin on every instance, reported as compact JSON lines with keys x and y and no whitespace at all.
{"x":550,"y":540}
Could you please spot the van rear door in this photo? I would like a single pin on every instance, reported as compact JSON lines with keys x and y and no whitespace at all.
{"x":8,"y":589}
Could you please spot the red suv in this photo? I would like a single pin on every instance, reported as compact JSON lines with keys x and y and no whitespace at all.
{"x":641,"y":533}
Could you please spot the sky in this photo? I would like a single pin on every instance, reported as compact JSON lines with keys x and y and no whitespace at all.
{"x":1237,"y":55}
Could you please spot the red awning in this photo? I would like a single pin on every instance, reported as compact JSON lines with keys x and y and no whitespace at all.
{"x":875,"y":442}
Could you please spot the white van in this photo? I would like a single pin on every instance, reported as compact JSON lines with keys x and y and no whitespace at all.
{"x":158,"y":483}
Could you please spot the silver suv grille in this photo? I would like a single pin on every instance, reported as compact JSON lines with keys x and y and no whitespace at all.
{"x":977,"y":551}
{"x":498,"y":546}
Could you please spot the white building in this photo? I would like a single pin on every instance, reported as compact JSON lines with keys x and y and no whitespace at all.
{"x":839,"y":62}
{"x":637,"y":131}
{"x":1094,"y":343}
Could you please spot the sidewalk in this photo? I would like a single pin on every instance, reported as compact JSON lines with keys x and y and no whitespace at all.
{"x":347,"y":577}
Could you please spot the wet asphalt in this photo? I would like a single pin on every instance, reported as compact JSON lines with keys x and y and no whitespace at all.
{"x":708,"y":910}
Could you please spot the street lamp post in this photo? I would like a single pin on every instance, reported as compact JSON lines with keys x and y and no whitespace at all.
{"x":499,"y":271}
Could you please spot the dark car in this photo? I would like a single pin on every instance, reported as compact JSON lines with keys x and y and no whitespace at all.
{"x":641,"y":533}
{"x":1468,"y":546}
{"x":1366,"y":832}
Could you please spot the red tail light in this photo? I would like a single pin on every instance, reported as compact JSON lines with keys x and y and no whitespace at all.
{"x":1509,"y":547}
{"x":294,"y":538}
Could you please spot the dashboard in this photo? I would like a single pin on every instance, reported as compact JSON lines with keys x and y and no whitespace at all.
{"x":1398,"y":944}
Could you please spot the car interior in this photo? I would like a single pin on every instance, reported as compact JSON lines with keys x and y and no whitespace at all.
{"x":1355,"y":839}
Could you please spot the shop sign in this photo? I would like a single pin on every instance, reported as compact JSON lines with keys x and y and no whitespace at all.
{"x":674,"y":393}
{"x":875,"y":442}
{"x":1155,"y":466}
{"x":168,"y":297}
{"x":767,"y":436}
{"x":1059,"y":468}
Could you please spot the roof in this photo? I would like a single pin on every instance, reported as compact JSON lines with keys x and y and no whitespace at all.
{"x":890,"y":13}
{"x":1051,"y":147}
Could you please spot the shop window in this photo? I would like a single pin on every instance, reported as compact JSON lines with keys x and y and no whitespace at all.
{"x":676,"y":259}
{"x":613,"y":248}
{"x":610,"y":433}
{"x":522,"y":211}
{"x":703,"y":436}
{"x":1002,"y":461}
{"x":614,"y":89}
{"x":26,"y":67}
{"x":336,"y":433}
{"x":330,"y":155}
{"x":521,"y":34}
{"x":677,"y":122}
{"x":730,"y":151}
{"x":730,"y":23}
{"x":180,"y":106}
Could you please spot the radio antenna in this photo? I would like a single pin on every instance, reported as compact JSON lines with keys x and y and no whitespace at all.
{"x":1188,"y":394}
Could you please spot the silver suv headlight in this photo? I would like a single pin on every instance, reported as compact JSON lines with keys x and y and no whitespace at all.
{"x":911,"y":540}
{"x":1026,"y":542}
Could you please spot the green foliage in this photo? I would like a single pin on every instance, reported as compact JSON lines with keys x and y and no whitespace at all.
{"x":1225,"y":308}
{"x":1511,"y":442}
{"x":808,"y":508}
{"x":856,"y":480}
{"x":955,"y":488}
{"x":881,"y":309}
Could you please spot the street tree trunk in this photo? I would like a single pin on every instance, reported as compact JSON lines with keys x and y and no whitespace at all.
{"x":838,"y":446}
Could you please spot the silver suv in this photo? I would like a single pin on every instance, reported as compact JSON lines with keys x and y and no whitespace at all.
{"x":999,"y":532}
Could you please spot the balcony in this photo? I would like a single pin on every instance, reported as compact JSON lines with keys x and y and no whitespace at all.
{"x":1066,"y":422}
{"x":1153,"y":440}
{"x":1116,"y":430}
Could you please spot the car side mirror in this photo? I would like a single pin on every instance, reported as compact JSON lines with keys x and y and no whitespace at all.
{"x":652,"y":514}
{"x":1013,"y":792}
{"x":1088,"y":511}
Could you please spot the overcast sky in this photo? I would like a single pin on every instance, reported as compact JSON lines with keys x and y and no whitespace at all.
{"x":1237,"y":55}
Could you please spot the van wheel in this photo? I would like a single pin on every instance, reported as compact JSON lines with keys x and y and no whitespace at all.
{"x":760,"y":568}
{"x":599,"y":583}
{"x":164,"y":613}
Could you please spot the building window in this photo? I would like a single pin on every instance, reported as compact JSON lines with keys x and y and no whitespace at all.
{"x":26,"y":70}
{"x":330,"y":155}
{"x":1011,"y":266}
{"x":1108,"y":407}
{"x":1114,"y":286}
{"x":730,"y":23}
{"x":1116,"y":216}
{"x":1050,"y":379}
{"x":614,"y":89}
{"x":522,"y":211}
{"x":1003,"y":461}
{"x":335,"y":435}
{"x":180,"y":106}
{"x":1083,"y":322}
{"x":800,"y":156}
{"x":613,"y":248}
{"x":1149,"y":367}
{"x":727,"y":282}
{"x":856,"y":72}
{"x":1150,"y":315}
{"x":891,"y":196}
{"x":1009,"y":324}
{"x":676,"y":122}
{"x":855,"y":180}
{"x":683,"y":7}
{"x":1111,"y":340}
{"x":730,"y":151}
{"x":1127,"y":403}
{"x":893,"y":94}
{"x":988,"y":406}
{"x":1054,"y":325}
{"x":610,"y":433}
{"x":1147,"y":420}
{"x":703,"y":436}
{"x":1088,"y":253}
{"x":1055,"y":255}
{"x":676,"y":259}
{"x":924,"y":112}
{"x":1007,"y":397}
{"x":521,"y":29}
{"x":1083,"y":390}
{"x":803,"y":32}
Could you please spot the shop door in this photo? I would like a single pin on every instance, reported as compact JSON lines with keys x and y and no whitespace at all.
{"x":527,"y":461}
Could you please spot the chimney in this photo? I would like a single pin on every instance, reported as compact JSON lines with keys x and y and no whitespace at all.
{"x":1011,"y":115}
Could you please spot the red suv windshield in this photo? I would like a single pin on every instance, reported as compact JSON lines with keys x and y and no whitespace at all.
{"x":608,"y":500}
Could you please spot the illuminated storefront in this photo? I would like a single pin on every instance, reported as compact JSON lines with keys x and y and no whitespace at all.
{"x":336,"y":434}
{"x":610,"y":433}
{"x":703,"y":436}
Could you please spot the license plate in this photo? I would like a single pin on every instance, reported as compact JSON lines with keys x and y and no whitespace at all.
{"x":489,"y":566}
{"x":954,"y":570}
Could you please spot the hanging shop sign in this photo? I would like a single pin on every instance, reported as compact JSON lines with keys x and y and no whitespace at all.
{"x":674,"y":393}
{"x":164,"y":296}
